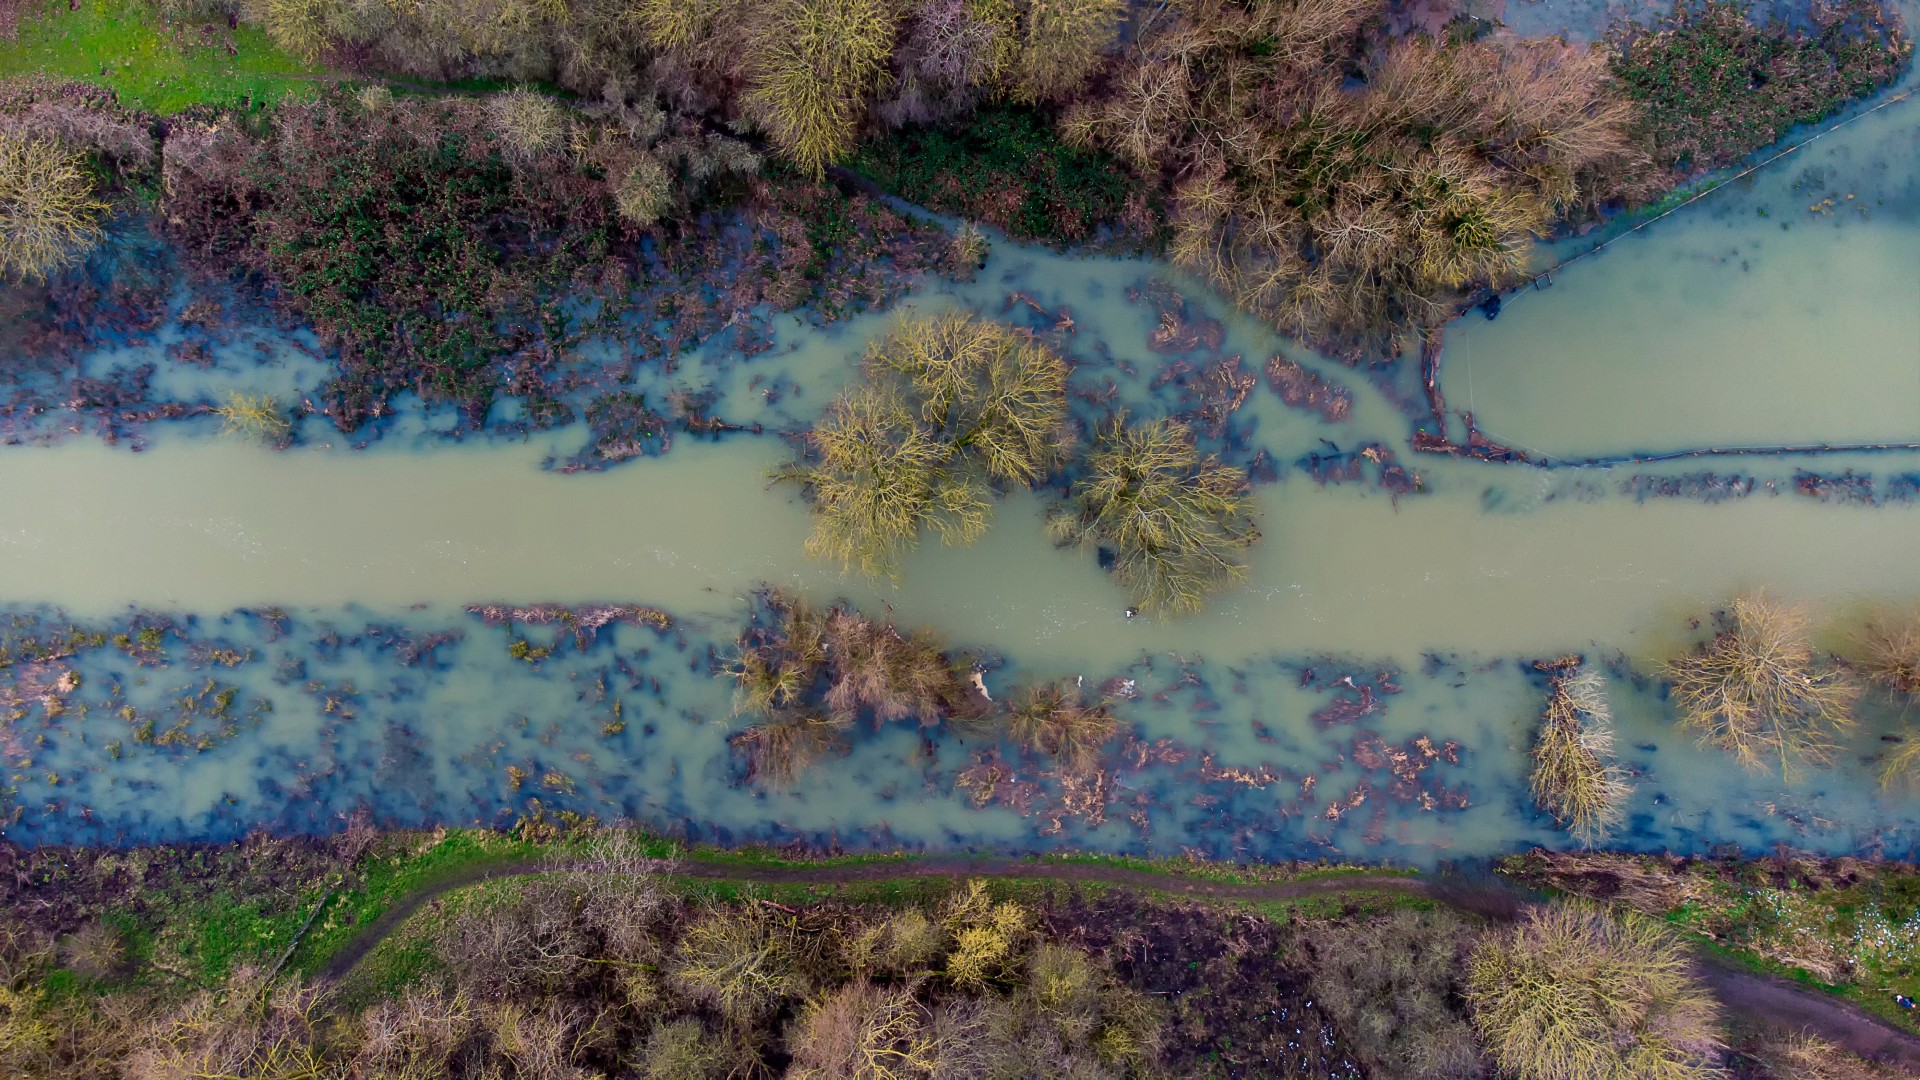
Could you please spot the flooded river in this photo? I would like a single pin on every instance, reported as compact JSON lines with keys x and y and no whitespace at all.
{"x":1368,"y":695}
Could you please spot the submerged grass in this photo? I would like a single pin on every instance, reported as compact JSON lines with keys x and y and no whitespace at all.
{"x":123,"y":46}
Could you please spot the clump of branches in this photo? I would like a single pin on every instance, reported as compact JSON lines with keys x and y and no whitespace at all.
{"x":1393,"y":985}
{"x":1573,"y":992}
{"x":950,"y":407}
{"x":1575,"y":777}
{"x":253,"y":416}
{"x":49,"y":216}
{"x":1887,"y":653}
{"x":812,"y":672}
{"x":1176,"y":525}
{"x":1056,"y":719}
{"x":814,"y":68}
{"x":1759,"y":690}
{"x":1349,"y":215}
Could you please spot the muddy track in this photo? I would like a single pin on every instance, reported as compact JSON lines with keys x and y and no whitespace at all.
{"x":1762,"y":1001}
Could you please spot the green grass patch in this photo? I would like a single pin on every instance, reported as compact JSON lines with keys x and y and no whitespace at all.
{"x":388,"y":878}
{"x":123,"y":45}
{"x":1228,"y":873}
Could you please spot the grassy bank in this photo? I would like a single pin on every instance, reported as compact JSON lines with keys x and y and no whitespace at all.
{"x":1847,"y":927}
{"x":153,"y":65}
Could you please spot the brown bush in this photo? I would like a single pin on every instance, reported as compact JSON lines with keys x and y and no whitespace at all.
{"x":1573,"y":993}
{"x":1758,"y":690}
{"x":1392,"y":984}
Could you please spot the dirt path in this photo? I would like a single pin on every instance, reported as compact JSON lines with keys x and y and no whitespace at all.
{"x":1759,"y":1000}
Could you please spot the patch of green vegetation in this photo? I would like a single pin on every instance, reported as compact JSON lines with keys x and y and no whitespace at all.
{"x":1228,"y":873}
{"x":123,"y":46}
{"x":1713,"y":85}
{"x":387,"y":879}
{"x":1008,"y":168}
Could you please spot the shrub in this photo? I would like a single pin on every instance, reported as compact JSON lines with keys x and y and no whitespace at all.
{"x":1175,"y":524}
{"x":859,"y":1031}
{"x":1757,"y":689}
{"x":683,"y":1050}
{"x":1803,"y":1057}
{"x":987,"y":936}
{"x":1713,"y":86}
{"x":740,"y":961}
{"x":1572,"y":993}
{"x":1345,"y":215}
{"x":253,"y":416}
{"x":645,"y":193}
{"x":968,"y":251}
{"x":49,"y":216}
{"x":1061,"y":43}
{"x":815,"y":64}
{"x":951,"y":54}
{"x":1391,"y":984}
{"x":304,"y":28}
{"x":950,"y":406}
{"x":529,"y":125}
{"x":1575,"y":777}
{"x":1055,"y":719}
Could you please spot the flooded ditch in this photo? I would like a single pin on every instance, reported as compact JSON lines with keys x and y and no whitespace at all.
{"x":299,"y":639}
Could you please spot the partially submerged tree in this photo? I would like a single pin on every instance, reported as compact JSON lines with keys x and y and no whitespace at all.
{"x":1057,"y":720}
{"x":1887,"y":654}
{"x":1176,"y":524}
{"x":951,"y":407}
{"x":811,"y":672}
{"x":1573,"y":993}
{"x":49,"y":216}
{"x":1575,"y":777}
{"x":1758,"y":689}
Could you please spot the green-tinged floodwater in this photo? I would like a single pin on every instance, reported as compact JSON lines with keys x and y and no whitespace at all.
{"x":1366,"y":695}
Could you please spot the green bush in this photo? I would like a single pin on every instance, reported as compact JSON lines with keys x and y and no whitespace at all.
{"x":1713,"y":85}
{"x":1006,"y":167}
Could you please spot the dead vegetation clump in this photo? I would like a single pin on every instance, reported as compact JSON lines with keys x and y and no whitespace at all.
{"x":1575,"y":777}
{"x":1349,"y":215}
{"x":1759,"y":690}
{"x":811,"y":673}
{"x":1393,"y":984}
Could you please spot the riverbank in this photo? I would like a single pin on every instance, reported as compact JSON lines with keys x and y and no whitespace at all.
{"x":352,"y":914}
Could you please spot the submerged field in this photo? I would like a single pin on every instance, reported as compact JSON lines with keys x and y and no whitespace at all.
{"x":1367,"y":694}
